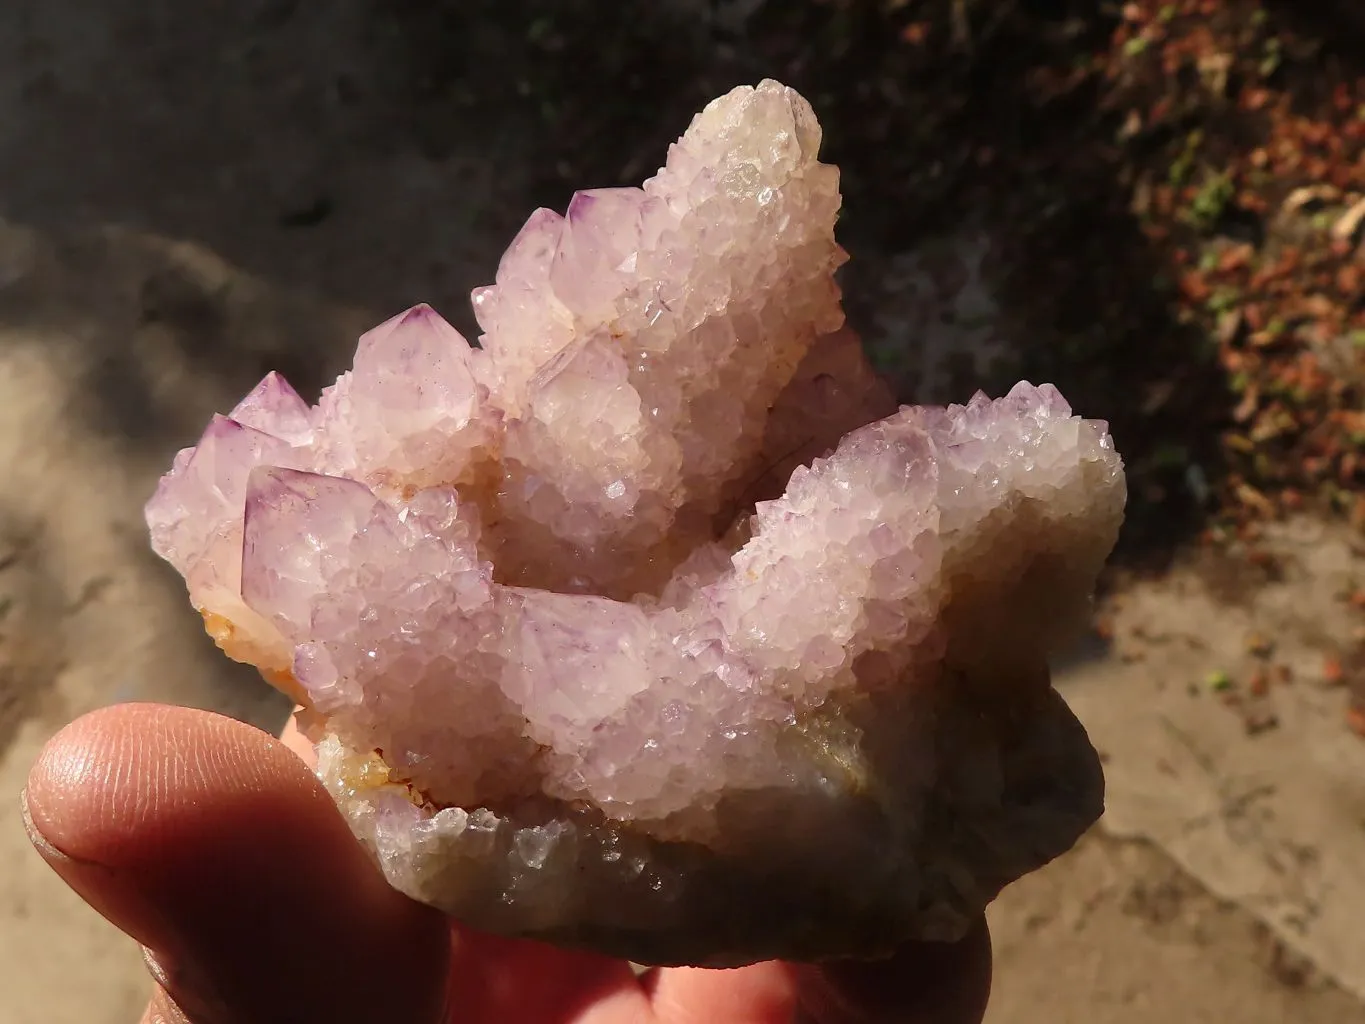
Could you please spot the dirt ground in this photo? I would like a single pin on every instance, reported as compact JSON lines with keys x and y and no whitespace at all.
{"x":192,"y":196}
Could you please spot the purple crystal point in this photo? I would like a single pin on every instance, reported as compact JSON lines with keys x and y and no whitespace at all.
{"x":208,"y":488}
{"x":274,"y":407}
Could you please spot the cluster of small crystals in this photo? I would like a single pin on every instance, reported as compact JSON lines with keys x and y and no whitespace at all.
{"x":637,"y":343}
{"x":501,"y":580}
{"x":480,"y":692}
{"x":652,"y":712}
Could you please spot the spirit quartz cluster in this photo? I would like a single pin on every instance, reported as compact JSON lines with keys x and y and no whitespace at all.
{"x":606,"y":637}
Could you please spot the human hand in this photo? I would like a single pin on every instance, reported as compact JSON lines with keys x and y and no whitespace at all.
{"x":214,"y":846}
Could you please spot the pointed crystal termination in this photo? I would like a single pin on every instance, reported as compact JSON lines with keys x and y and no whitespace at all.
{"x":273,"y":407}
{"x":412,"y":413}
{"x":650,"y":624}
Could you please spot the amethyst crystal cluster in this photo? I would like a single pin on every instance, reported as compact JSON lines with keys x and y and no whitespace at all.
{"x":606,"y":637}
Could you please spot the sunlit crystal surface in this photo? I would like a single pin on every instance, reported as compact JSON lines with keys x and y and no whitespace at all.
{"x":651,"y":624}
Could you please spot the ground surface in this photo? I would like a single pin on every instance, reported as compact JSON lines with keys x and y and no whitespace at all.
{"x":192,"y":196}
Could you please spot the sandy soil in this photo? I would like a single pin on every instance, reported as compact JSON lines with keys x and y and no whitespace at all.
{"x":188,"y":198}
{"x":1117,"y":933}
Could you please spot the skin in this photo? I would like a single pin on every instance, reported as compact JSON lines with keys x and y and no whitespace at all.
{"x":212,"y":845}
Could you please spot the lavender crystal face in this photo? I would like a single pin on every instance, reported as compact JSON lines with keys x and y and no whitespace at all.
{"x":604,"y":634}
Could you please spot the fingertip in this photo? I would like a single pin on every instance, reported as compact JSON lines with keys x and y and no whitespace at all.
{"x":293,"y":739}
{"x":212,"y":843}
{"x":110,"y":784}
{"x":761,"y":993}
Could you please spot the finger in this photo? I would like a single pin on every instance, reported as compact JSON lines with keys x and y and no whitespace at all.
{"x":924,"y":983}
{"x":501,"y":980}
{"x":292,"y":738}
{"x":213,"y":845}
{"x":759,"y":994}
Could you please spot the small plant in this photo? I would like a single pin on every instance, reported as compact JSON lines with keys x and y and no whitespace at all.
{"x":1183,"y":165}
{"x":1271,"y":57}
{"x":1211,"y":202}
{"x":1224,"y":299}
{"x":1218,"y":681}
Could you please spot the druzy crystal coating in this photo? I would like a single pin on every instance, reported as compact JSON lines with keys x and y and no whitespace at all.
{"x":650,"y":624}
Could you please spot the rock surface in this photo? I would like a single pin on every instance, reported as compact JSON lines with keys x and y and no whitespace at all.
{"x":588,"y":660}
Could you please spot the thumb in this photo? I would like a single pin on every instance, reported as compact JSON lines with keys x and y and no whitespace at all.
{"x":213,"y":845}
